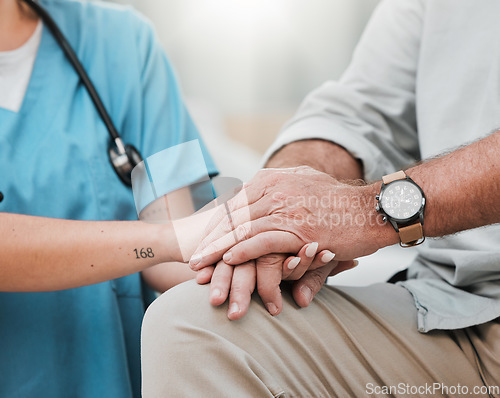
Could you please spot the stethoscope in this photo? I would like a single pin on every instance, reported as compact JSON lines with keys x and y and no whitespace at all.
{"x":123,"y":157}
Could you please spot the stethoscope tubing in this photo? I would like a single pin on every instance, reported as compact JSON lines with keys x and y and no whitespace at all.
{"x":118,"y":151}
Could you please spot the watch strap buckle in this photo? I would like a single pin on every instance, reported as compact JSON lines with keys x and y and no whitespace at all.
{"x":411,"y":235}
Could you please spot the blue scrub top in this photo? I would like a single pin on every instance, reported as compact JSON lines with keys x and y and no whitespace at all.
{"x":83,"y":342}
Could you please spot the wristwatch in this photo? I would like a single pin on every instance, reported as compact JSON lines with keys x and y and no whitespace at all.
{"x":402,"y":202}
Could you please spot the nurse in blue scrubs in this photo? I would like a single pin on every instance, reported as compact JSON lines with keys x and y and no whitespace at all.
{"x":72,"y":296}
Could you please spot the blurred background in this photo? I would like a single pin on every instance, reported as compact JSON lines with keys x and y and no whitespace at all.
{"x":246,"y":65}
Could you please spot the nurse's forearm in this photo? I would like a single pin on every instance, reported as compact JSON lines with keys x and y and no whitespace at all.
{"x":42,"y":254}
{"x":164,"y":276}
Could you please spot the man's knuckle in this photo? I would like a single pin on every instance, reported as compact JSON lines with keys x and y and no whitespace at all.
{"x":211,"y":247}
{"x":231,"y":204}
{"x":295,"y":212}
{"x":239,"y":290}
{"x":242,"y":232}
{"x":203,"y":245}
{"x":224,"y":225}
{"x":269,"y":260}
{"x":265,"y":265}
{"x":316,"y":279}
{"x":278,"y":198}
{"x":273,"y":178}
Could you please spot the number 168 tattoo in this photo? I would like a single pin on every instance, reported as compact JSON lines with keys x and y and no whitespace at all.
{"x":144,"y":253}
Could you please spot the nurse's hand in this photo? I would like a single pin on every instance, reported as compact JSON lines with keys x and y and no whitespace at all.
{"x":309,"y":271}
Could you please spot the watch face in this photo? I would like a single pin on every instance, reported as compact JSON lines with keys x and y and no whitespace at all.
{"x":401,"y":199}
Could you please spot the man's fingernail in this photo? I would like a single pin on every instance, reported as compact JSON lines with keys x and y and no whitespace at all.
{"x":234,"y":308}
{"x":293,"y":263}
{"x":216,"y":293}
{"x":312,"y":249}
{"x":195,"y":260}
{"x":327,"y":257}
{"x":273,"y":310}
{"x":227,"y":257}
{"x":356,"y":263}
{"x":307,"y":292}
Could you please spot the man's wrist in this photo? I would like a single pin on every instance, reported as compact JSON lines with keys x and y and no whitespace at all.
{"x":324,"y":156}
{"x":378,"y":231}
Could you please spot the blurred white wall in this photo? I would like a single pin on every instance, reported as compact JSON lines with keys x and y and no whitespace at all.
{"x":251,"y":56}
{"x":245,"y":65}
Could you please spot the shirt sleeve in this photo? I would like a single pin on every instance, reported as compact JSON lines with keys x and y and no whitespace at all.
{"x":371,"y":110}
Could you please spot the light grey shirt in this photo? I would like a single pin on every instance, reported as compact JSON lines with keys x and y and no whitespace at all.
{"x":424,"y":79}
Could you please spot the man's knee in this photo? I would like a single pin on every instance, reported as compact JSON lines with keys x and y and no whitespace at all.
{"x":177,"y":303}
{"x":164,"y":338}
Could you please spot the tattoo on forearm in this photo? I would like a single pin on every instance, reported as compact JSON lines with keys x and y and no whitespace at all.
{"x":144,"y":253}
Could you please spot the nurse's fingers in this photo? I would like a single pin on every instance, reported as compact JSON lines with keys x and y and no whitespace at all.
{"x":262,"y":244}
{"x":213,"y":252}
{"x":242,"y":287}
{"x":216,"y":220}
{"x":308,"y":256}
{"x":321,"y":259}
{"x":236,"y":225}
{"x":289,"y":266}
{"x":224,"y":226}
{"x":297,"y":266}
{"x":220,"y":283}
{"x":231,"y":213}
{"x":269,"y":269}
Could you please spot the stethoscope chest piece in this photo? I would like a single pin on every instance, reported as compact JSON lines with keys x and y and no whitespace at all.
{"x":124,"y":158}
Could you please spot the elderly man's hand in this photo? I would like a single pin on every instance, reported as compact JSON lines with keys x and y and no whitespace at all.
{"x":308,"y":270}
{"x":280,"y":210}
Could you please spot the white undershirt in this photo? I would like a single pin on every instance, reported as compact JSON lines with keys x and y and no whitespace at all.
{"x":15,"y":71}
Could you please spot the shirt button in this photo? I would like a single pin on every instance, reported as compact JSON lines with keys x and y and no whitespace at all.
{"x":1,"y":196}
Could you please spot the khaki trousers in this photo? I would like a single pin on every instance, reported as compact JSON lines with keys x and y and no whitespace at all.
{"x":350,"y":342}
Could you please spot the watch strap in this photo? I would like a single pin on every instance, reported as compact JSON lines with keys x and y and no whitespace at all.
{"x":411,"y":234}
{"x":399,"y":175}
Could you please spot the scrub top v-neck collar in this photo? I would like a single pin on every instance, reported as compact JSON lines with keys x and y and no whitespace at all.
{"x":45,"y":72}
{"x":16,"y":67}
